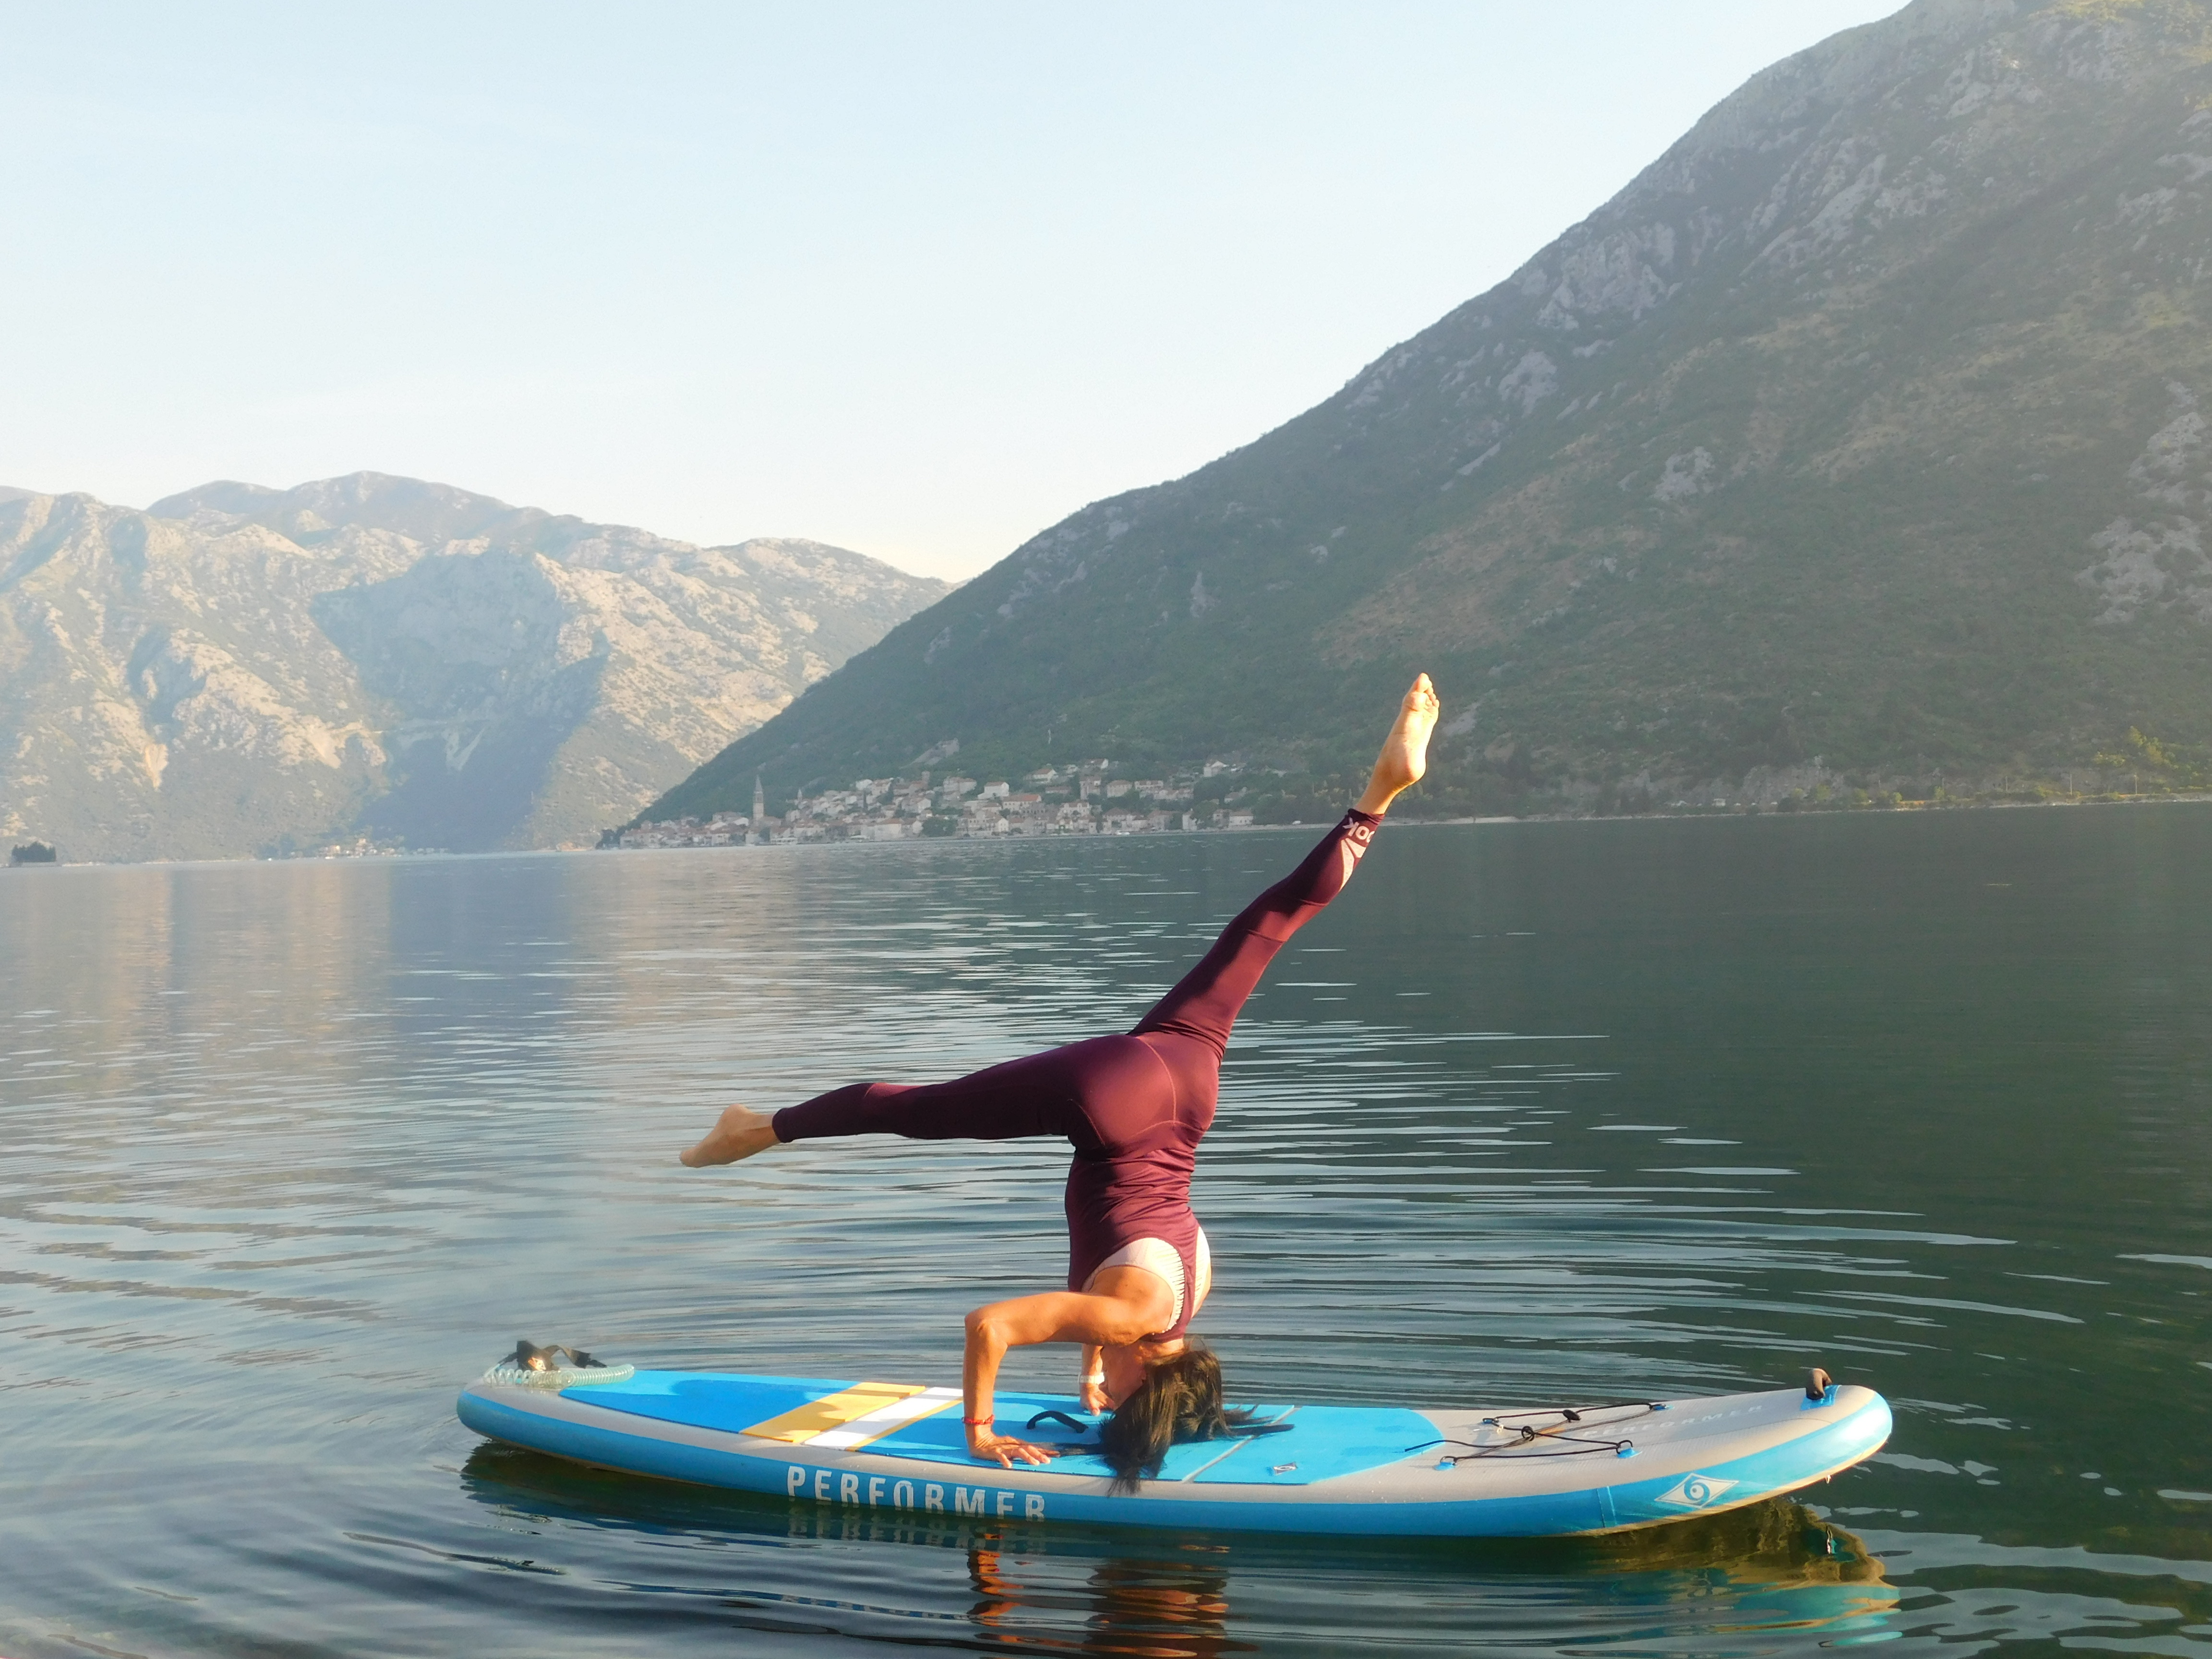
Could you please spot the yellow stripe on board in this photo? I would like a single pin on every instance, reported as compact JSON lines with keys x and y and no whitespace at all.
{"x":832,"y":1410}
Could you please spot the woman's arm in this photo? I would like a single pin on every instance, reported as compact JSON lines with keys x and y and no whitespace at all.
{"x":1128,"y":1304}
{"x":1090,"y":1387}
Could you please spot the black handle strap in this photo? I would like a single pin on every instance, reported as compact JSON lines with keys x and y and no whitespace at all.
{"x":1055,"y":1416}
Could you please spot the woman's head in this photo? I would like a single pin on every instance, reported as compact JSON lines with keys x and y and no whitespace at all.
{"x":1126,"y":1364}
{"x":1175,"y":1398}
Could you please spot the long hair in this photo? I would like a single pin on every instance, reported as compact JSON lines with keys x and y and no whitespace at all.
{"x":1179,"y":1400}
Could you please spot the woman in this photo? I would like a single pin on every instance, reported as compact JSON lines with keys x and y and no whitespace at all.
{"x":1135,"y":1108}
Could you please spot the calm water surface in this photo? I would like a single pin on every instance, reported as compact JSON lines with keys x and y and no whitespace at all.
{"x":289,"y":1152}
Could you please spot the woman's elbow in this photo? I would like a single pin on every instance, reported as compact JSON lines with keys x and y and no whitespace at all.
{"x":986,"y":1331}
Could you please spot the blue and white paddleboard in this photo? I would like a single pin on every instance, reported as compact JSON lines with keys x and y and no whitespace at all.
{"x":1382,"y":1471}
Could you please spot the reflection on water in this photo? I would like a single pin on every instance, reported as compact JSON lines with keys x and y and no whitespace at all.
{"x":1728,"y":1585}
{"x":287,"y":1152}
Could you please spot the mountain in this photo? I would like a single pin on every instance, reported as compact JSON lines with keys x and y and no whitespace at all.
{"x":1859,"y":439}
{"x":239,"y":669}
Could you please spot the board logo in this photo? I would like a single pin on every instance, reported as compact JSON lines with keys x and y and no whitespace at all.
{"x":1694,"y":1491}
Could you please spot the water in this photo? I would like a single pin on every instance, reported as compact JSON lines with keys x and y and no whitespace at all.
{"x":289,"y":1152}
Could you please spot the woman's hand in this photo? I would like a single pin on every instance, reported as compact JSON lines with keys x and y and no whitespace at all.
{"x":1090,"y":1381}
{"x":983,"y":1442}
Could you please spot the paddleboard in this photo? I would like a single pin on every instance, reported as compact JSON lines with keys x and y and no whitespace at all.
{"x":1468,"y":1472}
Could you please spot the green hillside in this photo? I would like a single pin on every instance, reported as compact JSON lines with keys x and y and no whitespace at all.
{"x":1856,"y":443}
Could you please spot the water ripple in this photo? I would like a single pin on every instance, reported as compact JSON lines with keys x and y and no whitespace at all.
{"x":287,"y":1152}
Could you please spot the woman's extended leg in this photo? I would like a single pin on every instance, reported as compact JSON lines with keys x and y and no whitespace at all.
{"x":1046,"y":1094}
{"x":1203,"y":1003}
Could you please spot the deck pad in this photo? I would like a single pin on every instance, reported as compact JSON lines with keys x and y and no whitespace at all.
{"x":907,"y":1420}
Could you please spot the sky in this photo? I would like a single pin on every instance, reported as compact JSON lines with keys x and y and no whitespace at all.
{"x":918,"y":280}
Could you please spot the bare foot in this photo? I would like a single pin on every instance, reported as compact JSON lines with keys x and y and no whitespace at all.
{"x":1405,"y":756}
{"x":739,"y":1133}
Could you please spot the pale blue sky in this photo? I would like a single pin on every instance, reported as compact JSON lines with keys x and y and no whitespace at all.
{"x":920,"y":279}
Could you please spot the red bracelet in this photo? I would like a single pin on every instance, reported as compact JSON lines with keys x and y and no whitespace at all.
{"x":979,"y":1422}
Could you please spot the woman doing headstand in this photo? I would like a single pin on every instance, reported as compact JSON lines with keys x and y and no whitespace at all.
{"x":1135,"y":1108}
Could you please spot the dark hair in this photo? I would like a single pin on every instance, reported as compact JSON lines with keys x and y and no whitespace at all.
{"x":1179,"y":1400}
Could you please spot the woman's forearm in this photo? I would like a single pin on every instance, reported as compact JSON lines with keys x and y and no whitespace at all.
{"x":1092,"y":1319}
{"x":978,"y":1367}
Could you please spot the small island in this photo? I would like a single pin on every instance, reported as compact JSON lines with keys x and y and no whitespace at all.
{"x":33,"y":852}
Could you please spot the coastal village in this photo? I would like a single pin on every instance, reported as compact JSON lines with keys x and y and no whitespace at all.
{"x":1084,"y":799}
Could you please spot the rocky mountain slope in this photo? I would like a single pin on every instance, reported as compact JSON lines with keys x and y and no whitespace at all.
{"x":239,"y":669}
{"x":1859,"y":437}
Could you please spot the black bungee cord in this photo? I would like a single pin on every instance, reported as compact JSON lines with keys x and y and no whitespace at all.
{"x":1526,"y":1435}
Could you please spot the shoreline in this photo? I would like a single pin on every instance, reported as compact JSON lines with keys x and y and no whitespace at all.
{"x":1711,"y":813}
{"x":1716,"y":814}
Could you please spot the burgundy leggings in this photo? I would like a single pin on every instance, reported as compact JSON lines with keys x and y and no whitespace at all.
{"x":1135,"y":1107}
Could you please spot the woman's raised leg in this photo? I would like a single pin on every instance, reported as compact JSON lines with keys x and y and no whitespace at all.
{"x":1203,"y":1003}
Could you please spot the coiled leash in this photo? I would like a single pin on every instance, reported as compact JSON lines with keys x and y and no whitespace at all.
{"x":555,"y":1366}
{"x":527,"y":1356}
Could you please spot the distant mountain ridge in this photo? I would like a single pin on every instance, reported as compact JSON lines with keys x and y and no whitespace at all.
{"x":1858,"y":438}
{"x":240,"y":669}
